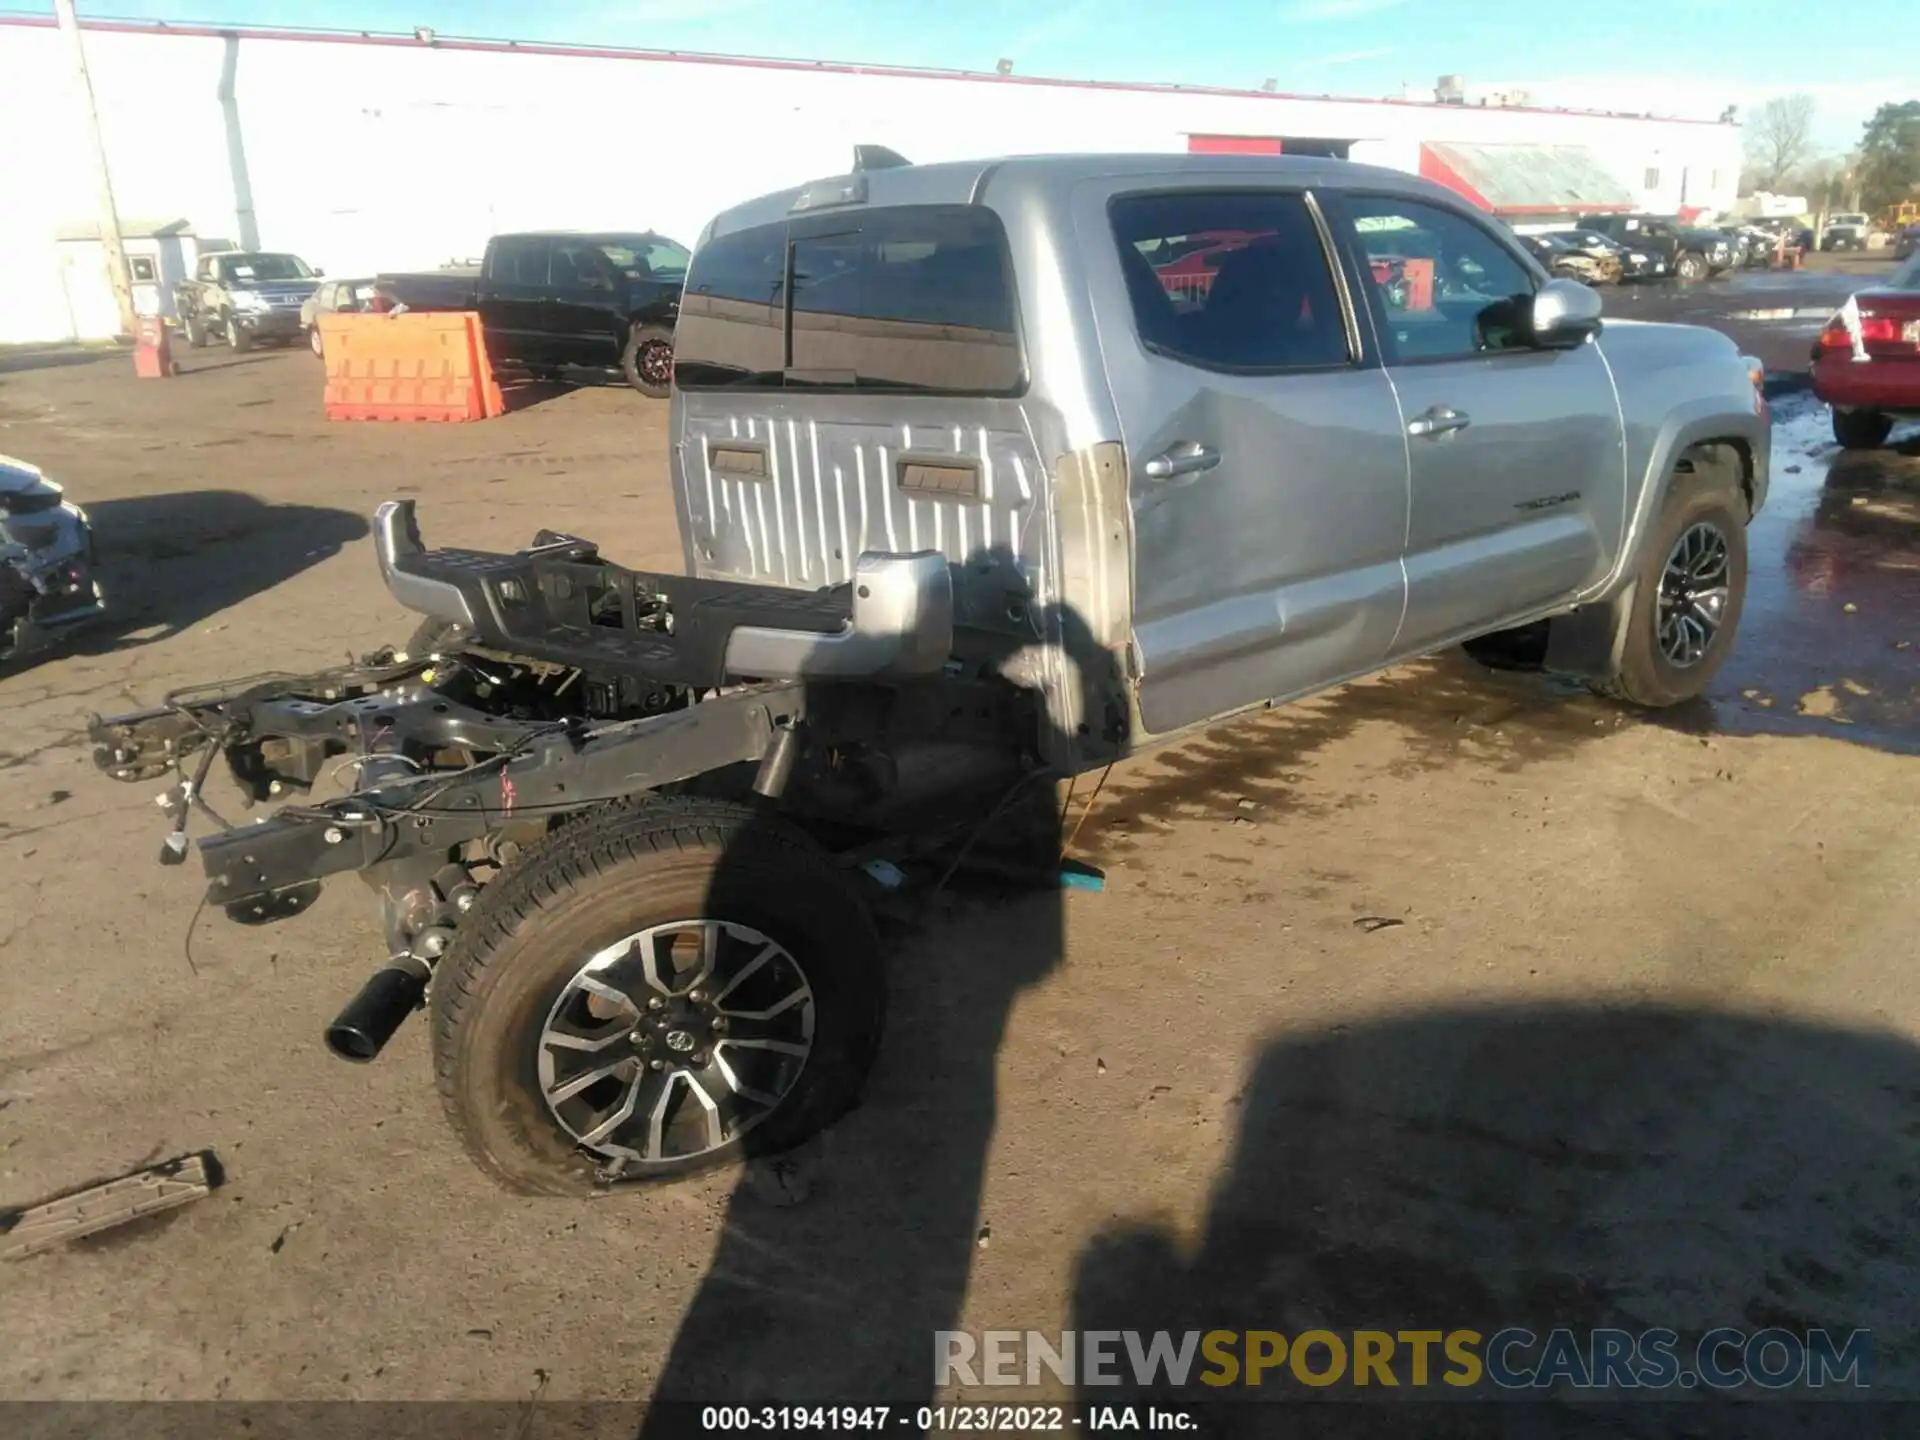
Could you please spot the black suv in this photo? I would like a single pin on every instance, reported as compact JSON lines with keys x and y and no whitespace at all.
{"x":1690,"y":253}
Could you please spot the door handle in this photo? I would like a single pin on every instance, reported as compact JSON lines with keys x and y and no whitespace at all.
{"x":1188,"y":457}
{"x":1438,"y":420}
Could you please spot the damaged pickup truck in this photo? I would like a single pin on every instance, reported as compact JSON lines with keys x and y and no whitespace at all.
{"x":973,"y":498}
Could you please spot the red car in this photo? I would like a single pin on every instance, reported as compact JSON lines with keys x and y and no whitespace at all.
{"x":1868,"y":369}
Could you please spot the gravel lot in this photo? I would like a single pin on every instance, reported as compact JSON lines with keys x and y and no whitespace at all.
{"x":1638,"y":1046}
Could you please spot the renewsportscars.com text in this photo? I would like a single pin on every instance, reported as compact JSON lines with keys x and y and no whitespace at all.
{"x":1513,"y":1358}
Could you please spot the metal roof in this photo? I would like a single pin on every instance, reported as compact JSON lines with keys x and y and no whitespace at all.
{"x":1008,"y":181}
{"x":1526,"y":179}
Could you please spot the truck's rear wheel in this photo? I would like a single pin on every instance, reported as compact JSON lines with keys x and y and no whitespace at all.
{"x":1686,"y":606}
{"x":648,"y":361}
{"x":668,"y":987}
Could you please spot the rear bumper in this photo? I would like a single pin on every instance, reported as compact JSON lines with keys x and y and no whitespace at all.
{"x":558,"y":601}
{"x":1888,"y":385}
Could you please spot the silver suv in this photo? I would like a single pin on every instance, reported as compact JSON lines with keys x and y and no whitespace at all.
{"x":987,"y":474}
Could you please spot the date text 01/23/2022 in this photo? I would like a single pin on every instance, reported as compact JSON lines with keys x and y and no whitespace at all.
{"x":939,"y":1419}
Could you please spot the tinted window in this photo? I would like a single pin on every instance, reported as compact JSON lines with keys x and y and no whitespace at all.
{"x":646,"y":257}
{"x":731,"y":329}
{"x":916,"y":298}
{"x":266,"y":267}
{"x":1441,"y":286}
{"x":1230,"y":281}
{"x":519,"y":260}
{"x":582,"y":265}
{"x":1907,"y":277}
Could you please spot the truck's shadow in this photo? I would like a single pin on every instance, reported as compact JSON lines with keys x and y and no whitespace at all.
{"x":1541,"y":1166}
{"x":167,"y":562}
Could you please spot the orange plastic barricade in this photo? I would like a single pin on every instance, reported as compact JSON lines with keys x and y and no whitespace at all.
{"x":404,"y":367}
{"x":491,"y":400}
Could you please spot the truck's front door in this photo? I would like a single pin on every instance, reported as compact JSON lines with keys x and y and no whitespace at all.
{"x":513,"y":300}
{"x":1518,"y":470}
{"x":586,"y":315}
{"x":1268,"y":480}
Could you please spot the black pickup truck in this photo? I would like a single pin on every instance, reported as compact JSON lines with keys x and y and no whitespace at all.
{"x":554,"y":301}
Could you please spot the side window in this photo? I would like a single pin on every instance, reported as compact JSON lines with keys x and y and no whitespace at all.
{"x":1230,"y":280}
{"x":141,"y":266}
{"x":581,"y":265}
{"x":731,"y":329}
{"x":520,"y":260}
{"x":915,"y":298}
{"x":1442,"y":286}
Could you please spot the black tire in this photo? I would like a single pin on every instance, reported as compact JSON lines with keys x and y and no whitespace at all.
{"x":195,"y":332}
{"x":648,"y":361}
{"x":653,"y":862}
{"x":1647,"y":676}
{"x":1861,"y":429}
{"x":1692,"y":266}
{"x":238,"y":340}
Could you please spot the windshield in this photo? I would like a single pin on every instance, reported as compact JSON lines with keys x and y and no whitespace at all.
{"x":1907,"y":277}
{"x":647,"y":257}
{"x":264,"y":267}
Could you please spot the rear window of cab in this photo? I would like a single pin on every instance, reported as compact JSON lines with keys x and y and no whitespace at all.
{"x":913,"y":299}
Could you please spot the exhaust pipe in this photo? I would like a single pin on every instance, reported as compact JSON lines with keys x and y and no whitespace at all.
{"x":361,"y":1031}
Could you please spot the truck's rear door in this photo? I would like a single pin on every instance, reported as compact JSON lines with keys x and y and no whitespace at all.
{"x":513,"y":299}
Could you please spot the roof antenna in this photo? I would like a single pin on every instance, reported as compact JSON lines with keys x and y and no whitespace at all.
{"x":877,"y":157}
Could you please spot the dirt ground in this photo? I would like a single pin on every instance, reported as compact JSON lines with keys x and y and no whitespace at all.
{"x":1451,"y":998}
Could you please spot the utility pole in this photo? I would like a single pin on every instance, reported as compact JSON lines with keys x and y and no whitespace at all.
{"x":110,"y":240}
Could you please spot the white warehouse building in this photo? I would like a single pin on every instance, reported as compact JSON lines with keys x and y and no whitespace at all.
{"x":370,"y":152}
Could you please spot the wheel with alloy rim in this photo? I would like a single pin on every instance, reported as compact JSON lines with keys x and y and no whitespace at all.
{"x":666,"y":987}
{"x":195,"y":332}
{"x":1694,"y":591}
{"x":238,"y":340}
{"x":1687,"y":601}
{"x":648,"y":361}
{"x":1691,"y":266}
{"x":674,"y":1041}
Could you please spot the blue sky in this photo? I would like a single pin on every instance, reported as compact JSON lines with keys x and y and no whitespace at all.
{"x":1675,"y":56}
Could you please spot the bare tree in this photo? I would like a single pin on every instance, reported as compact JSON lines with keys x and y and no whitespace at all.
{"x":1780,"y":139}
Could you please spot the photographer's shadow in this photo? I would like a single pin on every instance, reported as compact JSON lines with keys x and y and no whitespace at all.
{"x":1542,"y":1166}
{"x":836,"y":1264}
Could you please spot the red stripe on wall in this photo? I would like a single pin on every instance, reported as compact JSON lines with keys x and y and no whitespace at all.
{"x":1233,"y":145}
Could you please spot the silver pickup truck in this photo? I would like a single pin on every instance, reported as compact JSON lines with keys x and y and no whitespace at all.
{"x":988,"y":475}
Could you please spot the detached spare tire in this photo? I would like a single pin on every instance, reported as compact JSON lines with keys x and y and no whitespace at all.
{"x":648,"y":361}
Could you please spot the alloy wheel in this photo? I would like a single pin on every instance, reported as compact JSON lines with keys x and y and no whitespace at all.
{"x":1695,"y":588}
{"x":676,"y":1040}
{"x":656,"y":363}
